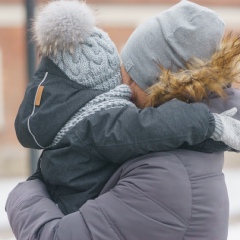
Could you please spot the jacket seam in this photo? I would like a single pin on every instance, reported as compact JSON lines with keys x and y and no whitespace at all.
{"x":113,"y":226}
{"x":33,"y":111}
{"x":54,"y":74}
{"x":174,"y":214}
{"x":17,"y":207}
{"x":90,"y":234}
{"x":191,"y":194}
{"x":56,"y":142}
{"x":142,"y":142}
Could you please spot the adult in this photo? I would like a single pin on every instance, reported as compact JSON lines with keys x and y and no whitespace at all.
{"x":94,"y":126}
{"x":170,"y":195}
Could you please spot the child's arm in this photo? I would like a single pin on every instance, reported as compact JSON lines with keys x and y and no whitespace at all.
{"x":126,"y":133}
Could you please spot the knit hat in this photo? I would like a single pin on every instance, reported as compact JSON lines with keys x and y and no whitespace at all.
{"x":170,"y":39}
{"x":65,"y":31}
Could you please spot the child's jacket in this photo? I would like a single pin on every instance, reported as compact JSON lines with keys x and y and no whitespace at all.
{"x":77,"y":167}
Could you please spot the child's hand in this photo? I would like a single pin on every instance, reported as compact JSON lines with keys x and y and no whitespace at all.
{"x":227,"y":129}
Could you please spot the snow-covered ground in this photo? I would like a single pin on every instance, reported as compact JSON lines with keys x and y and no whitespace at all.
{"x":232,"y":180}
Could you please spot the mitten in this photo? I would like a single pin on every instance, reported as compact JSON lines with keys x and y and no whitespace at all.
{"x":227,"y":129}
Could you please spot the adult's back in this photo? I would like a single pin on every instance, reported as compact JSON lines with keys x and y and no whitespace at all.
{"x":179,"y":194}
{"x":170,"y":195}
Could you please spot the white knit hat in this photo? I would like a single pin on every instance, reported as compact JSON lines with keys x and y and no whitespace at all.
{"x":169,"y":39}
{"x":66,"y":32}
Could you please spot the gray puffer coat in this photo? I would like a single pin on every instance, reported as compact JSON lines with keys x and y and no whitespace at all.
{"x":173,"y":195}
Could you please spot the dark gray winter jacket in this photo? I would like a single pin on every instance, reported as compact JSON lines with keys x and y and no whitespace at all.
{"x":77,"y":168}
{"x":173,"y":195}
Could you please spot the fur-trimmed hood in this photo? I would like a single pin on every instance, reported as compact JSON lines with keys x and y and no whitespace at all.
{"x":201,"y":78}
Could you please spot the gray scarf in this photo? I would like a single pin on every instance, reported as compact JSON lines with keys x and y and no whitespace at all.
{"x":117,"y":98}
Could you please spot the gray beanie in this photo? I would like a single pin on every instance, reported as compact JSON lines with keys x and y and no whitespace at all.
{"x":65,"y":32}
{"x":169,"y":39}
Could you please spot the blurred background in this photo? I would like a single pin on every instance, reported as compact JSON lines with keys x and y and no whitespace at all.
{"x":17,"y":60}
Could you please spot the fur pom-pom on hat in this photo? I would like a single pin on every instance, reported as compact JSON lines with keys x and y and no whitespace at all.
{"x":62,"y":26}
{"x":65,"y":31}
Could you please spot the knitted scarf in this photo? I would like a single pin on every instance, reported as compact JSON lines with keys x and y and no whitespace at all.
{"x":117,"y":98}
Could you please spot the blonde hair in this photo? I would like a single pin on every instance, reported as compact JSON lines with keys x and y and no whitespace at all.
{"x":200,"y":78}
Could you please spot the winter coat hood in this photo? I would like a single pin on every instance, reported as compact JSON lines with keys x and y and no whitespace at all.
{"x":59,"y":100}
{"x":201,"y":79}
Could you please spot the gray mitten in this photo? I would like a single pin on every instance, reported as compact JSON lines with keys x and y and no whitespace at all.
{"x":227,"y":129}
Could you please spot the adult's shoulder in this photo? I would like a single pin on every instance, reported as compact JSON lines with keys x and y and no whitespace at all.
{"x":150,"y":177}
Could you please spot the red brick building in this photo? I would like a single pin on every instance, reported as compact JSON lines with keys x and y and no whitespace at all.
{"x":117,"y":17}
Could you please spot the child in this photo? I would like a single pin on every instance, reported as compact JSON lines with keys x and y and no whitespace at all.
{"x":77,"y":110}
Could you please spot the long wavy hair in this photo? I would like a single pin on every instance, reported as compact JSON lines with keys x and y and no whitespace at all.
{"x":200,"y":77}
